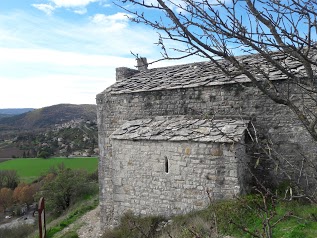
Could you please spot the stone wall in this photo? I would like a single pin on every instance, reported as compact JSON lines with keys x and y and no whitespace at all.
{"x":145,"y":184}
{"x":274,"y":122}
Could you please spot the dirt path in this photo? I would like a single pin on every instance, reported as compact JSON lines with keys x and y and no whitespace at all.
{"x":88,"y":226}
{"x":91,"y":224}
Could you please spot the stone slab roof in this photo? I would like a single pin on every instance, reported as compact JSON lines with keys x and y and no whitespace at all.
{"x":180,"y":128}
{"x":200,"y":74}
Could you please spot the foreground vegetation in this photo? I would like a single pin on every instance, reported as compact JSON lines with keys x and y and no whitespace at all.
{"x":54,"y":227}
{"x":63,"y":189}
{"x":237,"y":218}
{"x":69,"y":217}
{"x":32,"y":168}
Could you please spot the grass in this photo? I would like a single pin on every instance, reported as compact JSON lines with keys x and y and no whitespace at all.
{"x":31,"y":168}
{"x":302,"y":224}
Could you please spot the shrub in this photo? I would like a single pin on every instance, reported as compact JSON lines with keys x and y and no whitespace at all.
{"x":93,"y":176}
{"x":43,"y":154}
{"x":135,"y":227}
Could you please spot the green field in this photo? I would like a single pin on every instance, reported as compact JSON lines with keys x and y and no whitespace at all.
{"x":30,"y":169}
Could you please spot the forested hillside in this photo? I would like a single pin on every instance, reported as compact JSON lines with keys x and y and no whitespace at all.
{"x":59,"y":130}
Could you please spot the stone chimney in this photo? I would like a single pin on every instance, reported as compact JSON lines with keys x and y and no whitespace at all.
{"x":142,"y":64}
{"x":124,"y":73}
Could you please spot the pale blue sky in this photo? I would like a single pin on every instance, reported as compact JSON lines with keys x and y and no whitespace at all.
{"x":65,"y":51}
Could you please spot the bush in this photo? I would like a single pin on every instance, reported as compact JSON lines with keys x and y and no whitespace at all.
{"x":93,"y":176}
{"x":43,"y":154}
{"x":135,"y":227}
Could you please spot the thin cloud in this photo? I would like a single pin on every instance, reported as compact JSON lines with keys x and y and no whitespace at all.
{"x":73,"y":3}
{"x":76,"y":6}
{"x":119,"y":16}
{"x":111,"y":23}
{"x":176,"y":5}
{"x":60,"y":58}
{"x":100,"y":34}
{"x":81,"y":11}
{"x":50,"y":90}
{"x":47,"y":8}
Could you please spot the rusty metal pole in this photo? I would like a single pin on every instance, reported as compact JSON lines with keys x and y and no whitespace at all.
{"x":42,"y":223}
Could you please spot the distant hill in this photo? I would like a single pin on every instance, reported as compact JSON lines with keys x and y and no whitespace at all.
{"x":8,"y":112}
{"x":61,"y":130}
{"x":47,"y":117}
{"x":15,"y":111}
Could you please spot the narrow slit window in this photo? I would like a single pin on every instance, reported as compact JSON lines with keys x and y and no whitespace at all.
{"x":166,"y":165}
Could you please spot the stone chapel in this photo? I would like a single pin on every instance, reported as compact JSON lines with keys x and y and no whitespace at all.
{"x":172,"y":138}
